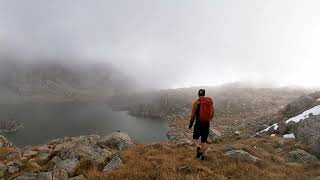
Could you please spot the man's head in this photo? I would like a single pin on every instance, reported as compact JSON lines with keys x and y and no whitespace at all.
{"x":201,"y":92}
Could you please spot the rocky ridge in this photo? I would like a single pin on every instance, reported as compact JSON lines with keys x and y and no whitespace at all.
{"x":61,"y":158}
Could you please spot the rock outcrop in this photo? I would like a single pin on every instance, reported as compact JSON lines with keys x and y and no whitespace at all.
{"x":60,"y":158}
{"x":308,"y":131}
{"x":117,"y":140}
{"x":241,"y":155}
{"x":300,"y":156}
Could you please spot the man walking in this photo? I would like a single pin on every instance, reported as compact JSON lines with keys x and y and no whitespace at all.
{"x":202,"y":113}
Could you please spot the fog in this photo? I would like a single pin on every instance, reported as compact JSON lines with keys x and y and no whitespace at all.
{"x":169,"y":44}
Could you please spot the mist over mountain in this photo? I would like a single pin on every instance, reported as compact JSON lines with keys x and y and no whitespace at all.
{"x":55,"y":81}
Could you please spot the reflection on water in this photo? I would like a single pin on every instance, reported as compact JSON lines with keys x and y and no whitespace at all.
{"x":43,"y":122}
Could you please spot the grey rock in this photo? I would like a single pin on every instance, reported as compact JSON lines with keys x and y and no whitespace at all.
{"x":83,"y":147}
{"x":45,"y":176}
{"x":308,"y":131}
{"x":27,"y":176}
{"x":241,"y":155}
{"x":43,"y":156}
{"x":117,"y":140}
{"x":237,"y":133}
{"x":299,"y":105}
{"x":13,"y":169}
{"x":17,"y":163}
{"x":114,"y":164}
{"x":69,"y":165}
{"x":229,"y":147}
{"x":301,"y":156}
{"x":4,"y":142}
{"x":316,"y":178}
{"x":59,"y":174}
{"x":80,"y":177}
{"x":214,"y":136}
{"x":10,"y":163}
{"x":54,"y":161}
{"x":29,"y":153}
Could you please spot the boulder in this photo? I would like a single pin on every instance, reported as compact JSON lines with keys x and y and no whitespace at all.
{"x":229,"y":147}
{"x":308,"y":132}
{"x":83,"y":147}
{"x":214,"y":136}
{"x":4,"y":142}
{"x":69,"y":165}
{"x":241,"y":155}
{"x":114,"y":164}
{"x":44,"y":176}
{"x":13,"y":169}
{"x":27,"y":176}
{"x":300,"y":156}
{"x":34,"y":166}
{"x":29,"y":153}
{"x":237,"y":133}
{"x":3,"y":169}
{"x":80,"y":177}
{"x":59,"y":174}
{"x":299,"y":105}
{"x":43,"y":156}
{"x":117,"y":140}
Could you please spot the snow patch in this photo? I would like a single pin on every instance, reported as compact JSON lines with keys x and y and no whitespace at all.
{"x":274,"y":126}
{"x":314,"y":111}
{"x":289,"y":136}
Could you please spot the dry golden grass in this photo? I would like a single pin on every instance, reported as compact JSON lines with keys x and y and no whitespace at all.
{"x":169,"y":161}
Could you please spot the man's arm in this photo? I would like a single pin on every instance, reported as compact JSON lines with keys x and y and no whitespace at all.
{"x":193,"y":114}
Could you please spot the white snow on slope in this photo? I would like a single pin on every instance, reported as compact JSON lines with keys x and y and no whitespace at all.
{"x":314,"y":111}
{"x":289,"y":136}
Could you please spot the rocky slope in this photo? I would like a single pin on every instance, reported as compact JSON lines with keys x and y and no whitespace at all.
{"x":51,"y":82}
{"x":301,"y":120}
{"x":62,"y":158}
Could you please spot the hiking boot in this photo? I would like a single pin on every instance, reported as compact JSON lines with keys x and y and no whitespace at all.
{"x":202,"y":157}
{"x":199,"y":153}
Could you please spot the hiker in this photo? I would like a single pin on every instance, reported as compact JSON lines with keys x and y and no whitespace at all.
{"x":202,"y":113}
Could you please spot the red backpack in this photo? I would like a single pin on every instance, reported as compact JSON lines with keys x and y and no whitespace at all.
{"x":206,"y":109}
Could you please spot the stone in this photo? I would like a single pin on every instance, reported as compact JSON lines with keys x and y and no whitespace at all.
{"x":10,"y":163}
{"x":301,"y":156}
{"x":228,"y":147}
{"x":59,"y":174}
{"x":69,"y":165}
{"x":43,"y":156}
{"x":27,"y":176}
{"x":80,"y":177}
{"x":114,"y":164}
{"x":34,"y":166}
{"x":29,"y":153}
{"x":117,"y":140}
{"x":241,"y":155}
{"x":13,"y":169}
{"x":237,"y":133}
{"x":43,"y":148}
{"x":308,"y":132}
{"x":299,"y":105}
{"x":3,"y":169}
{"x":17,"y":163}
{"x":83,"y":147}
{"x":44,"y":176}
{"x":4,"y":142}
{"x":318,"y":177}
{"x":214,"y":136}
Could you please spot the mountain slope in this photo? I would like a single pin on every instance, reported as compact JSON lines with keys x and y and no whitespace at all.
{"x":46,"y":81}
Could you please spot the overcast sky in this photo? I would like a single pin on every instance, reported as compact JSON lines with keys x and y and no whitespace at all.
{"x":173,"y":43}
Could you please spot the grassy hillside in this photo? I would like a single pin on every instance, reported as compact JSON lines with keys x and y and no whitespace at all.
{"x":170,"y":161}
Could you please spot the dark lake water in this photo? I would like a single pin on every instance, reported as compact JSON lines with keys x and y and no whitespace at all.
{"x":43,"y":122}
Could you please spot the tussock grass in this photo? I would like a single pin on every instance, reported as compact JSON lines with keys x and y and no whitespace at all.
{"x":169,"y":161}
